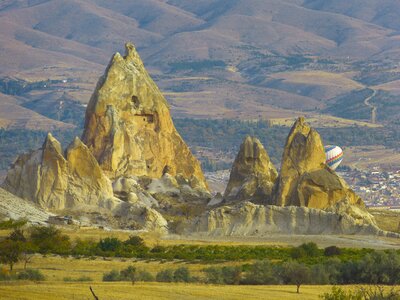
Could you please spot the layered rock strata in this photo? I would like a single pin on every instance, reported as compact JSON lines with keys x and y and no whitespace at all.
{"x":249,"y":219}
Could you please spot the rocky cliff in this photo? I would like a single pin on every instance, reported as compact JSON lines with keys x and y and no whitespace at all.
{"x":128,"y":126}
{"x":249,"y":219}
{"x":304,"y":178}
{"x":252,"y":174}
{"x":57,"y":182}
{"x":130,"y":156}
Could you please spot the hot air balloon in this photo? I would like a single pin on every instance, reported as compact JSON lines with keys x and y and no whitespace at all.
{"x":334,"y":156}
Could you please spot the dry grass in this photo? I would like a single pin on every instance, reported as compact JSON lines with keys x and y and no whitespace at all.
{"x":58,"y":291}
{"x":56,"y":268}
{"x":386,"y":219}
{"x":316,"y":120}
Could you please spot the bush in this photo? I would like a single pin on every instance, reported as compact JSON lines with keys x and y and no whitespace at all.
{"x":166,"y":275}
{"x":182,"y":274}
{"x":128,"y":274}
{"x":80,"y":279}
{"x":332,"y":251}
{"x":50,"y":240}
{"x":31,"y":274}
{"x":305,"y":250}
{"x":142,"y":275}
{"x":135,"y":240}
{"x":361,"y":293}
{"x":261,"y":272}
{"x":109,"y":244}
{"x":214,"y":275}
{"x":113,"y":275}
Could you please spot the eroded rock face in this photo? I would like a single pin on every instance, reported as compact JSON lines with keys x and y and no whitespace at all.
{"x":253,"y":175}
{"x":56,"y":182}
{"x":129,"y":129}
{"x":249,"y":219}
{"x":305,"y":180}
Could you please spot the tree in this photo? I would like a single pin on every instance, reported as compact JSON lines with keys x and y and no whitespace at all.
{"x":50,"y":240}
{"x":128,"y":274}
{"x":10,"y":252}
{"x":109,"y":244}
{"x":261,"y":272}
{"x":135,"y":240}
{"x":295,"y":273}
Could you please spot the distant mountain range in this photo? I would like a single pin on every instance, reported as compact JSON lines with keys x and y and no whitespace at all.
{"x":245,"y":59}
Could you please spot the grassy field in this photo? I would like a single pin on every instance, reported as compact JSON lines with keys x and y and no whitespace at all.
{"x":58,"y":291}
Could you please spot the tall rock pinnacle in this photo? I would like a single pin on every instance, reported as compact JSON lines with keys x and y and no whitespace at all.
{"x":252,"y":175}
{"x":305,"y":180}
{"x":128,"y":126}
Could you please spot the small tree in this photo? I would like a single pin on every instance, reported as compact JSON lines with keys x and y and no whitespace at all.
{"x":50,"y":240}
{"x":261,"y":272}
{"x":128,"y":274}
{"x":166,"y":275}
{"x":135,"y":240}
{"x":10,"y":252}
{"x":295,"y":273}
{"x":109,"y":244}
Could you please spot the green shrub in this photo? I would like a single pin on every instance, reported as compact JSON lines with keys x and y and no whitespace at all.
{"x":142,"y":275}
{"x":30,"y":274}
{"x":128,"y":274}
{"x":214,"y":275}
{"x":109,"y":244}
{"x":166,"y":275}
{"x":135,"y":240}
{"x":182,"y":274}
{"x":361,"y":293}
{"x":80,"y":279}
{"x":261,"y":272}
{"x":332,"y":251}
{"x":113,"y":275}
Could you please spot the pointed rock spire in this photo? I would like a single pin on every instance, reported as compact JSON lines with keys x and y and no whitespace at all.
{"x":305,"y":180}
{"x":253,"y":175}
{"x":128,"y":126}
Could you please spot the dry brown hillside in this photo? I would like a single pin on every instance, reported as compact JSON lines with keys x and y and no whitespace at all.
{"x":246,"y":58}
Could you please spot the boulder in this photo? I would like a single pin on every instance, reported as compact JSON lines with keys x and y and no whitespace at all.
{"x":252,"y":175}
{"x":128,"y":126}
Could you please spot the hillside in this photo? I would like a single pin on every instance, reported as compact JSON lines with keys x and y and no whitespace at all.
{"x":270,"y":53}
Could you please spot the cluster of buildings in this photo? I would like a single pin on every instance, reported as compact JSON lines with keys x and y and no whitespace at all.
{"x":379,"y":189}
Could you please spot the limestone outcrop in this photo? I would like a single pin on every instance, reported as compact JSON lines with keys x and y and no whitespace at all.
{"x":249,"y":219}
{"x":55,"y":181}
{"x":252,"y":175}
{"x":304,"y":178}
{"x":128,"y":126}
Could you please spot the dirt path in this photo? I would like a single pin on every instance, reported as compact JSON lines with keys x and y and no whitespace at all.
{"x":373,"y":108}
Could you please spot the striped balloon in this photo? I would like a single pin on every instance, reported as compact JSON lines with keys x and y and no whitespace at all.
{"x":334,"y":156}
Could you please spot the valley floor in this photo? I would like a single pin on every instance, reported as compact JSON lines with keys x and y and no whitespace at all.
{"x":60,"y":290}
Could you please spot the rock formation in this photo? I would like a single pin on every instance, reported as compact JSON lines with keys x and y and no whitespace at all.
{"x":56,"y":182}
{"x":131,"y":155}
{"x":252,"y":175}
{"x":249,"y":219}
{"x":304,"y":179}
{"x":128,"y":127}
